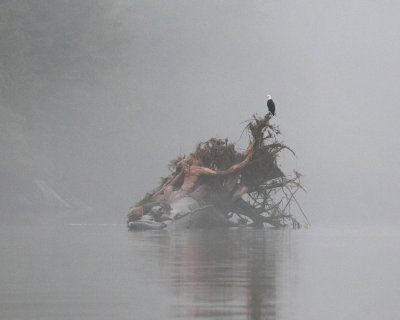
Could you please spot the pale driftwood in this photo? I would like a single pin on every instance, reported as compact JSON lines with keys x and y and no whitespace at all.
{"x":253,"y":174}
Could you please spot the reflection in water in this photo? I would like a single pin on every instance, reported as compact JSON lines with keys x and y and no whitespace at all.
{"x":224,"y":274}
{"x":103,"y":272}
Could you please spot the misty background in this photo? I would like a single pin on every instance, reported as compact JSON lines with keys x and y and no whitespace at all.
{"x":96,"y":97}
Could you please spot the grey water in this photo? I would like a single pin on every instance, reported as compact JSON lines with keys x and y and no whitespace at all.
{"x":105,"y":272}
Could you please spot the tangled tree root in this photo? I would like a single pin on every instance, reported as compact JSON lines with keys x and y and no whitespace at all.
{"x":244,"y":188}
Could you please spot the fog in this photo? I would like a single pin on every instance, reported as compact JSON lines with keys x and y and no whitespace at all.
{"x":97,"y":97}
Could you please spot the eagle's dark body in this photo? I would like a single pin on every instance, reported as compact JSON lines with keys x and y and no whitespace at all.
{"x":271,"y":106}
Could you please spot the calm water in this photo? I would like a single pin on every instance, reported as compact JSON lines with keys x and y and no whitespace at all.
{"x":105,"y":272}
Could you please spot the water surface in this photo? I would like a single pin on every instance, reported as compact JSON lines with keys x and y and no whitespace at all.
{"x":105,"y":272}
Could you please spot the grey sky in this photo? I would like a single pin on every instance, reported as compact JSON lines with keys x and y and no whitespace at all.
{"x":183,"y":71}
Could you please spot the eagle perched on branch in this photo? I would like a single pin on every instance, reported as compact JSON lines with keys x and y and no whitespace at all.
{"x":271,"y":105}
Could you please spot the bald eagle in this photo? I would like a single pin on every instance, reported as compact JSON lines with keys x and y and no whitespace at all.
{"x":271,"y":105}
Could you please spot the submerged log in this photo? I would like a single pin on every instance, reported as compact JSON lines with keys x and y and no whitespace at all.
{"x":218,"y":185}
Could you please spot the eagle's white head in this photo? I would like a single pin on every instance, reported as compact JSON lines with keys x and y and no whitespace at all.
{"x":269,"y":97}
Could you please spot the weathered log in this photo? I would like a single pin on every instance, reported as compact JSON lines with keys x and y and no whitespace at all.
{"x":224,"y":182}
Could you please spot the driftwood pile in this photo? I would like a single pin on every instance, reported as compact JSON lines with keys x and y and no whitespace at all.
{"x":235,"y":188}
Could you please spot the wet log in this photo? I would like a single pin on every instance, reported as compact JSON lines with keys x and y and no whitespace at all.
{"x":220,"y":182}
